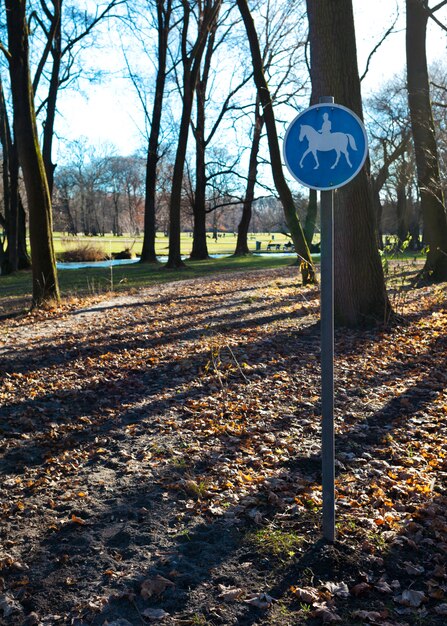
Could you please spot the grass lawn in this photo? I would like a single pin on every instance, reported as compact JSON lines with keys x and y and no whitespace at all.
{"x":225,"y":244}
{"x":90,"y":280}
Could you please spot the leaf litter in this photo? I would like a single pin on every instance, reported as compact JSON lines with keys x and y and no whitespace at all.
{"x":161,"y":460}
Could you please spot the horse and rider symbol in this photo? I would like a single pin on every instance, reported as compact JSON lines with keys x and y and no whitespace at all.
{"x":324,"y":140}
{"x":315,"y":135}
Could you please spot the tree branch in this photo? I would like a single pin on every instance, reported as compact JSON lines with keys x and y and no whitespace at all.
{"x":435,"y":19}
{"x":54,"y":24}
{"x":92,"y":24}
{"x":377,"y":46}
{"x":438,"y":6}
{"x":5,"y":51}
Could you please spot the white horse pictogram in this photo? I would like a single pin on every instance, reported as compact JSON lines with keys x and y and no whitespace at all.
{"x":324,"y":142}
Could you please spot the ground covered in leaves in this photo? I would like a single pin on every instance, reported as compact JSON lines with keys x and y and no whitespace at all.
{"x":161,"y":461}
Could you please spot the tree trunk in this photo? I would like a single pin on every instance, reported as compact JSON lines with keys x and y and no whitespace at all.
{"x":191,"y":68}
{"x":425,"y":148}
{"x":45,"y":283}
{"x":175,"y":258}
{"x":359,"y":292}
{"x":402,"y":215}
{"x":199,"y":245}
{"x":48,"y":128}
{"x":311,"y":217}
{"x":10,"y":261}
{"x":285,"y":195}
{"x":148,"y":254}
{"x":244,"y":224}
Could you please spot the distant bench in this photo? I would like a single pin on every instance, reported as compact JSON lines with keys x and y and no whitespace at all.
{"x":287,"y":247}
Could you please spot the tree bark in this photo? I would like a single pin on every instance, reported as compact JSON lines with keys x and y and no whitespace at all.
{"x":191,"y":67}
{"x":359,"y":292}
{"x":427,"y":162}
{"x":285,"y":195}
{"x":45,"y":283}
{"x":244,"y":224}
{"x":199,"y":245}
{"x":311,"y":217}
{"x":148,"y":254}
{"x":10,"y":261}
{"x":199,"y":249}
{"x":402,"y":214}
{"x":53,"y":89}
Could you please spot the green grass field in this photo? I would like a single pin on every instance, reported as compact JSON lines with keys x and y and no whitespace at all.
{"x":97,"y":280}
{"x":225,"y":244}
{"x":92,"y":280}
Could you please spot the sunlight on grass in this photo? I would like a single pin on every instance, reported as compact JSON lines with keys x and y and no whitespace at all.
{"x":91,"y":280}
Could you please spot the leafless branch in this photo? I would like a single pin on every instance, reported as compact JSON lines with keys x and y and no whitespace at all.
{"x":5,"y":51}
{"x":93,"y":23}
{"x":377,"y":46}
{"x":436,"y":20}
{"x":438,"y":6}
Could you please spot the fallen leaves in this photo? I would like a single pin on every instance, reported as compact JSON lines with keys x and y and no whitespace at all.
{"x":411,"y":597}
{"x":228,"y":594}
{"x":306,"y":594}
{"x":213,"y":411}
{"x":260,"y":601}
{"x":154,"y":615}
{"x":155,"y":586}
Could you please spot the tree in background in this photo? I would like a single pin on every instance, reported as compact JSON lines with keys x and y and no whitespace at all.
{"x":64,"y":29}
{"x":427,"y":162}
{"x":162,"y":11}
{"x":293,"y":223}
{"x":45,"y":283}
{"x":389,"y":148}
{"x":206,"y":175}
{"x":281,"y":45}
{"x":359,"y":293}
{"x":191,"y":58}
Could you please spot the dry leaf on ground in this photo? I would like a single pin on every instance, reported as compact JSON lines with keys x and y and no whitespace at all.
{"x":155,"y":586}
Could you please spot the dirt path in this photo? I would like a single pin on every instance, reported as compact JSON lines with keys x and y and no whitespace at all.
{"x":160,"y":461}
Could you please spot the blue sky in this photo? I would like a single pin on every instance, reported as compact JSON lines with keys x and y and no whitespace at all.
{"x":109,"y":113}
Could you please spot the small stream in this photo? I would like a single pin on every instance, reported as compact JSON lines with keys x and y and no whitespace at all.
{"x":162,"y":259}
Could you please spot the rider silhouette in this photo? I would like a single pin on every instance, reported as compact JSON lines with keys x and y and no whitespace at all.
{"x":326,"y":126}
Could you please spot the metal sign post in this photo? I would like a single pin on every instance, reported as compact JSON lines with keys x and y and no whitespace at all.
{"x":327,"y":358}
{"x":309,"y":146}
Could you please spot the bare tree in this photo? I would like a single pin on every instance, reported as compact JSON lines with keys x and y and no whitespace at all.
{"x":427,"y":161}
{"x":45,"y":283}
{"x":281,"y":47}
{"x":191,"y":58}
{"x":294,"y":225}
{"x":65,"y":29}
{"x":161,"y":13}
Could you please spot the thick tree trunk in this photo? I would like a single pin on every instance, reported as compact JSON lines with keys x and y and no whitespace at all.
{"x":285,"y":195}
{"x":359,"y":292}
{"x":45,"y":284}
{"x":244,"y":224}
{"x":148,"y":254}
{"x":427,"y":163}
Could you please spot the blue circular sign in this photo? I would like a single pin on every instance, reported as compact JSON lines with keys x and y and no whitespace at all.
{"x":325,"y":146}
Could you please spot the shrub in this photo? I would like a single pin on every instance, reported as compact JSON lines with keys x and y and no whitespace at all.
{"x":83,"y":252}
